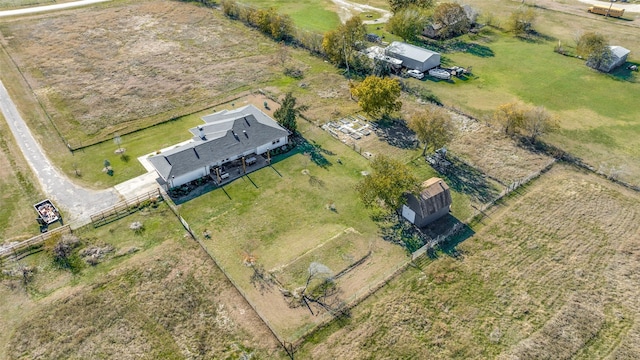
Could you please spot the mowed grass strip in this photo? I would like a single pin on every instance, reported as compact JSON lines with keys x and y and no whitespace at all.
{"x":144,"y":300}
{"x":551,"y":269}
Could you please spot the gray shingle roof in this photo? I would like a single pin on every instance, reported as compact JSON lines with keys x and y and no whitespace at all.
{"x":252,"y":129}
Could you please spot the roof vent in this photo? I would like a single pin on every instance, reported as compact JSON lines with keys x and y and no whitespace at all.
{"x":166,"y":158}
{"x":201,"y":133}
{"x":245,"y":133}
{"x":247,"y":121}
{"x":236,"y":136}
{"x":195,"y":151}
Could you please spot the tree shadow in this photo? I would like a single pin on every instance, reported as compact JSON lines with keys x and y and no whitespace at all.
{"x":480,"y":50}
{"x":314,"y":150}
{"x":467,"y":180}
{"x":455,"y":231}
{"x":396,"y":134}
{"x":624,"y":73}
{"x":397,"y":230}
{"x":535,"y":37}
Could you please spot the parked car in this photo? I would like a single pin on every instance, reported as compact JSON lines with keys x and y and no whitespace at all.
{"x":415,"y":73}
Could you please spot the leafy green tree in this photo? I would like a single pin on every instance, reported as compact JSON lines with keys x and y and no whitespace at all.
{"x":595,"y":48}
{"x":521,"y":21}
{"x":433,"y":128}
{"x":452,"y":18}
{"x":288,"y":112}
{"x":397,"y":5}
{"x":339,"y":44}
{"x":407,"y":23}
{"x":387,"y":183}
{"x":378,"y":96}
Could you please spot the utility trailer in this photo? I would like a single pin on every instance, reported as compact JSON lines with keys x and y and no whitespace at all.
{"x":47,"y":214}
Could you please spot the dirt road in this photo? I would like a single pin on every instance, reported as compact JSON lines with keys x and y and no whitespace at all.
{"x":347,"y":9}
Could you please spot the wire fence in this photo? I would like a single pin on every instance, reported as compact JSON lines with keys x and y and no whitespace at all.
{"x":288,"y":347}
{"x":23,"y":248}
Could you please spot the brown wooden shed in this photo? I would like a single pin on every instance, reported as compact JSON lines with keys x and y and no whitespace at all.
{"x":433,"y":202}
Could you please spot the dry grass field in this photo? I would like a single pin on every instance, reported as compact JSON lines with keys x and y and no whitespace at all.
{"x":19,"y":190}
{"x":156,"y":295}
{"x":118,"y":67}
{"x":552,"y":274}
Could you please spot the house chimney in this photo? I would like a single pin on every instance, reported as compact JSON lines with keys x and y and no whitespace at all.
{"x":245,"y":133}
{"x":201,"y":133}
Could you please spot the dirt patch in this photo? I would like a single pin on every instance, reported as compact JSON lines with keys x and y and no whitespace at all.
{"x":104,"y":69}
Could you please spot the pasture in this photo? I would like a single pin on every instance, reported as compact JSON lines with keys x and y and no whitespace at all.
{"x":114,"y":69}
{"x":154,"y":294}
{"x":596,"y":111}
{"x":551,"y":272}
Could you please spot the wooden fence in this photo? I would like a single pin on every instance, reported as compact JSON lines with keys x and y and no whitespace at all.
{"x":29,"y":246}
{"x":124,"y":208}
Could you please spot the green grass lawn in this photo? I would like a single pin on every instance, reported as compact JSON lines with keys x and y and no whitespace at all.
{"x":597,"y":112}
{"x":311,"y":15}
{"x":10,"y":4}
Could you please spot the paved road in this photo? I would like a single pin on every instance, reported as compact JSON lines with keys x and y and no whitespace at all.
{"x":37,"y":9}
{"x":78,"y":203}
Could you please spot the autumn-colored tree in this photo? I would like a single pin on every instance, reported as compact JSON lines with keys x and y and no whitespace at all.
{"x":530,"y":121}
{"x":433,"y":127}
{"x":595,"y":48}
{"x":510,"y":116}
{"x":378,"y":96}
{"x":339,"y":44}
{"x":538,"y":121}
{"x":288,"y":112}
{"x":387,"y":183}
{"x":398,"y":5}
{"x":407,"y":23}
{"x":521,"y":21}
{"x":452,"y":18}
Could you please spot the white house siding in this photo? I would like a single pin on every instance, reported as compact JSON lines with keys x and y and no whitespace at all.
{"x":185,"y":178}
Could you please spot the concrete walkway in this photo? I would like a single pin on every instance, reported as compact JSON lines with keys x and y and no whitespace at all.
{"x":78,"y":203}
{"x":37,"y":9}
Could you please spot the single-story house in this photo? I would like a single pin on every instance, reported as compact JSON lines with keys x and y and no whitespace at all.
{"x":226,"y":136}
{"x":618,"y":57}
{"x":432,"y":203}
{"x":413,"y":57}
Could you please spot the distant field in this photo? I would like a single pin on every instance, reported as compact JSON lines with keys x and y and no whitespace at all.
{"x":108,"y":69}
{"x":552,"y":274}
{"x":597,"y":112}
{"x":156,"y":295}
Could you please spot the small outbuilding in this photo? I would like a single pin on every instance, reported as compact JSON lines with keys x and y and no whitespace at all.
{"x":618,"y":58}
{"x":413,"y":57}
{"x":432,"y":203}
